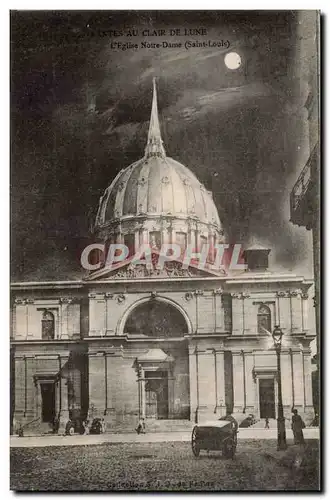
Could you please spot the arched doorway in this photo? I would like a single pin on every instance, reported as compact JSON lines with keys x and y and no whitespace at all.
{"x":163,"y":367}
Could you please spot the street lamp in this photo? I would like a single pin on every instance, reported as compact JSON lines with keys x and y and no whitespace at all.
{"x":281,"y":435}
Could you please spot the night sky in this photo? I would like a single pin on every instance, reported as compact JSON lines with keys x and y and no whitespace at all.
{"x":80,"y":112}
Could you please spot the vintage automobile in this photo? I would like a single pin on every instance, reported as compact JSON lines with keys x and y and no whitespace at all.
{"x":215,"y":435}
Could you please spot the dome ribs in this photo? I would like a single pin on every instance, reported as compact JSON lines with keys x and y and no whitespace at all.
{"x":167,"y":190}
{"x":142,"y":189}
{"x":119,"y":209}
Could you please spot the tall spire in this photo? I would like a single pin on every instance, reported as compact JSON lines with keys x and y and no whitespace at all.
{"x":154,"y":145}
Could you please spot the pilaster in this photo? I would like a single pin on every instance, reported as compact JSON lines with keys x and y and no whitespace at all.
{"x":298,"y":378}
{"x":193,"y":383}
{"x":206,"y":384}
{"x":64,"y":399}
{"x":308,"y":378}
{"x":238,"y":381}
{"x":237,"y":314}
{"x":286,"y":378}
{"x":296,"y":310}
{"x":250,"y":385}
{"x":220,"y":381}
{"x":97,"y":383}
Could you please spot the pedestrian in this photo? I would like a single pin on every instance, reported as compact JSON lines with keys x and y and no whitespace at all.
{"x":297,"y":428}
{"x":86,"y":427}
{"x":141,"y":426}
{"x":266,"y":423}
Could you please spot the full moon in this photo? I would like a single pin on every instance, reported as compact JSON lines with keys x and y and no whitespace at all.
{"x":232,"y":60}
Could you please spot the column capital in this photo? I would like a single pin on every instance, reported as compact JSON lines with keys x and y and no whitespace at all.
{"x":237,"y":352}
{"x":281,"y":294}
{"x":294,"y":293}
{"x":240,"y":295}
{"x":96,"y":295}
{"x":191,"y":350}
{"x":66,"y":300}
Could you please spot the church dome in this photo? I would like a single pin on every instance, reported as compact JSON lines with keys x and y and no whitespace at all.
{"x":157,"y":186}
{"x":153,"y":189}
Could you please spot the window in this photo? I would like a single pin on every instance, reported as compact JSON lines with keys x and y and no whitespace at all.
{"x":264,"y":319}
{"x":155,"y":240}
{"x":47,"y":326}
{"x":129,"y":241}
{"x":181,"y":240}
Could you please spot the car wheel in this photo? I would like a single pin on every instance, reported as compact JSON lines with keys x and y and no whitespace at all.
{"x":194,"y":443}
{"x":70,"y":430}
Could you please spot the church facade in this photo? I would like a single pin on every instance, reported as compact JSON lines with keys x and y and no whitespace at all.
{"x":168,"y":343}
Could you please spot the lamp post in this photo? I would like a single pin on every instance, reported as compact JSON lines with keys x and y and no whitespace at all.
{"x":281,"y":435}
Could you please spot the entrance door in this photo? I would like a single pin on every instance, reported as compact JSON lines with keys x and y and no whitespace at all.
{"x":267,"y":398}
{"x":48,"y":402}
{"x":156,"y":395}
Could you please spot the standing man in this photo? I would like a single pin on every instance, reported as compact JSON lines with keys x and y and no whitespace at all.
{"x":297,"y":427}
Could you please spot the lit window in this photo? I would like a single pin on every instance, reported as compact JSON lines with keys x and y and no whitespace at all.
{"x":48,"y":326}
{"x":264,"y":319}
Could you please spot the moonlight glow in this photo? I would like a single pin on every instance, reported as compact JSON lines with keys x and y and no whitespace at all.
{"x":233,"y":60}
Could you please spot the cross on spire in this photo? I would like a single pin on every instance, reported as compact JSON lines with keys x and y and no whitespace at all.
{"x":154,"y":145}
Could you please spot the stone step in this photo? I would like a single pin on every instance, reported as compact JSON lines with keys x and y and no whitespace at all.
{"x":153,"y":425}
{"x":38,"y":429}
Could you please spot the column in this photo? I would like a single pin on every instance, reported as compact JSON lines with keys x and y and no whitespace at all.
{"x":286,"y":378}
{"x":107,"y":380}
{"x":29,"y":388}
{"x":206,"y":384}
{"x":19,"y":390}
{"x":57,"y":398}
{"x":64,"y":400}
{"x":143,"y":394}
{"x":304,"y":305}
{"x":20,"y":320}
{"x":164,"y":236}
{"x":308,"y":378}
{"x":250,"y":385}
{"x":136,"y":240}
{"x":298,"y":378}
{"x":193,"y":383}
{"x":145,"y":237}
{"x":237,"y":314}
{"x":97,"y":314}
{"x":64,"y":317}
{"x":220,"y":382}
{"x":250,"y":316}
{"x":38,"y":399}
{"x":219,"y":314}
{"x":97,"y":383}
{"x":284,"y":307}
{"x":238,"y":381}
{"x":296,"y":311}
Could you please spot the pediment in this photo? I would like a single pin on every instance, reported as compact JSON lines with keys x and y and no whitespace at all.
{"x":174,"y":269}
{"x":155,"y":356}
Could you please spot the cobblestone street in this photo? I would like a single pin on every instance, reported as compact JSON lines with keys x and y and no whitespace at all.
{"x":162,"y":467}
